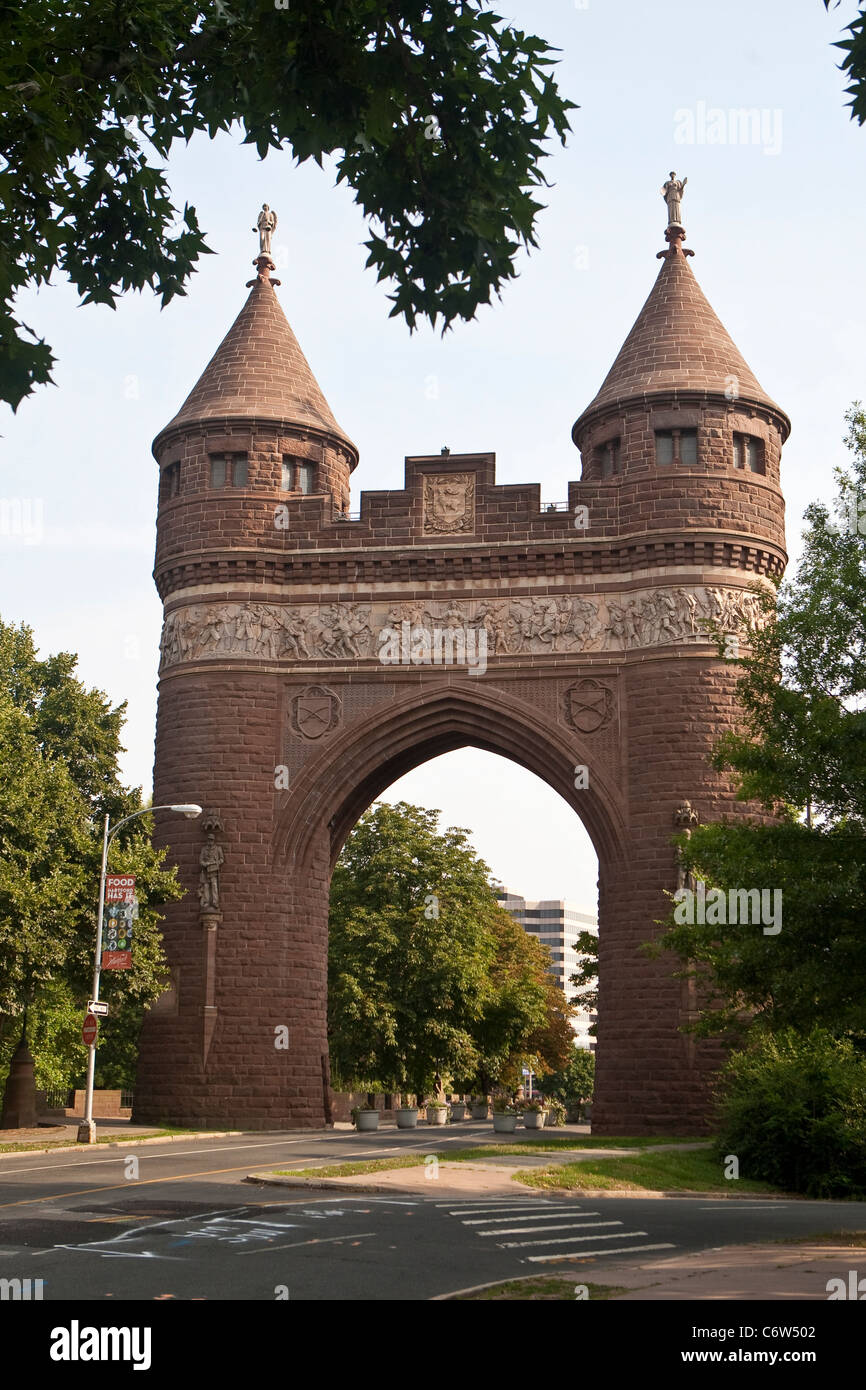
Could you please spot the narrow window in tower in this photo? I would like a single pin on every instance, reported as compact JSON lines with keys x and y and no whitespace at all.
{"x":688,"y":450}
{"x":218,"y":471}
{"x":664,"y":447}
{"x":239,"y":470}
{"x":306,"y":475}
{"x":609,"y":458}
{"x":170,"y":481}
{"x":749,"y":453}
{"x":755,"y":454}
{"x":287,"y":483}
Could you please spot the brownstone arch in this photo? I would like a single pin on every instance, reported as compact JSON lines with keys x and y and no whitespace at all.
{"x":339,"y":786}
{"x":285,"y":706}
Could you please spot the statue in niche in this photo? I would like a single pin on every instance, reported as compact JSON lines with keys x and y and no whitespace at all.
{"x":685,"y":819}
{"x":210,"y":861}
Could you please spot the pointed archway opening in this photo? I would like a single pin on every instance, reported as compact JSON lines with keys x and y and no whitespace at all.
{"x":544,"y":871}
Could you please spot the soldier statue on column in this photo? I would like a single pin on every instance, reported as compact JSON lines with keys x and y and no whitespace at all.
{"x":266,"y":224}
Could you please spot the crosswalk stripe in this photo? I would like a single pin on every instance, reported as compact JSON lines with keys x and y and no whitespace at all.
{"x":564,"y":1240}
{"x":586,"y":1254}
{"x":534,"y":1206}
{"x":561,"y":1226}
{"x":528,"y":1216}
{"x":471,"y":1207}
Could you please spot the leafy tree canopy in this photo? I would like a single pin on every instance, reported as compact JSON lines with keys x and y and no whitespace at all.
{"x":854,"y":62}
{"x":436,"y":111}
{"x":59,"y":744}
{"x":801,"y":751}
{"x":427,"y":973}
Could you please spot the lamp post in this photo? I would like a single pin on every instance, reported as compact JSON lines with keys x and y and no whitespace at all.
{"x":87,"y":1129}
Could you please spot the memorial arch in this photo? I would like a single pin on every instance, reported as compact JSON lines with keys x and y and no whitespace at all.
{"x":312,"y":655}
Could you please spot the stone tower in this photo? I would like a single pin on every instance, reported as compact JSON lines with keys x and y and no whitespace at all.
{"x":309,"y":658}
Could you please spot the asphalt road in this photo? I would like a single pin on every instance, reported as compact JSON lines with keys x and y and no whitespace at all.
{"x":180,"y":1223}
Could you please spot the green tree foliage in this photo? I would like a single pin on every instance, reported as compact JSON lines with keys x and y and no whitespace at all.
{"x":574,"y":1083}
{"x":802,"y":753}
{"x":427,"y":973}
{"x":59,"y":744}
{"x":793,"y":1110}
{"x":436,"y":111}
{"x":524,"y":1019}
{"x":585,"y":977}
{"x":854,"y":62}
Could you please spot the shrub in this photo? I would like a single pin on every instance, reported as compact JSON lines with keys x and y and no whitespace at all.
{"x":792,"y":1107}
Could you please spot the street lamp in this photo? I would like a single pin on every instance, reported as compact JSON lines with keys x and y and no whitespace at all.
{"x":87,"y":1129}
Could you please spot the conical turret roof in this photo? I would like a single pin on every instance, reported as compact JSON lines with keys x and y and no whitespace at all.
{"x":678,"y":343}
{"x":259,"y":372}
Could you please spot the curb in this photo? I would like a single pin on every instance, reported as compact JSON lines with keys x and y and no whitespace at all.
{"x":330,"y":1184}
{"x":340,"y":1185}
{"x":124,"y":1143}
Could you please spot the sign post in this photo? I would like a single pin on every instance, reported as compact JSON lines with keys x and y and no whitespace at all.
{"x":116,"y":889}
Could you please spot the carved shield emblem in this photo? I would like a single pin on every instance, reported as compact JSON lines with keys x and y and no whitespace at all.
{"x":588,"y":706}
{"x":449,"y":503}
{"x":314,"y":712}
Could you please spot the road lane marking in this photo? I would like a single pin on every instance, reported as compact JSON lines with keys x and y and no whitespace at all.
{"x":575,"y":1240}
{"x":529,"y":1216}
{"x":328,"y":1240}
{"x":125,"y":1186}
{"x":563,"y":1226}
{"x":508,"y":1207}
{"x":587,"y":1254}
{"x":184,"y":1153}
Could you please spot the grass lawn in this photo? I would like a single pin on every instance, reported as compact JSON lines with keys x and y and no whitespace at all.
{"x":474,"y":1155}
{"x":694,"y":1170}
{"x":348,"y":1170}
{"x":544,"y":1286}
{"x":854,"y":1240}
{"x":557,"y":1145}
{"x":104,"y":1139}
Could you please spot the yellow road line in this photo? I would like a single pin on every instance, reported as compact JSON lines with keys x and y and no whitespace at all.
{"x":125,"y":1186}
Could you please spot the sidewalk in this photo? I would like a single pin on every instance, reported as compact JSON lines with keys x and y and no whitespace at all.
{"x":493,"y":1176}
{"x":733,"y":1273}
{"x":64,"y":1134}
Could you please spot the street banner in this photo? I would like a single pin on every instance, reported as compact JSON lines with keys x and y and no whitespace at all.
{"x":120,"y":888}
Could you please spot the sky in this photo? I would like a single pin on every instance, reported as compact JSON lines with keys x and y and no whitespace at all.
{"x":776,"y":217}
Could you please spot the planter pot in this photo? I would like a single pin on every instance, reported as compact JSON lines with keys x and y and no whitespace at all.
{"x":407,"y":1117}
{"x":367,"y":1119}
{"x":458,"y":1111}
{"x":534,"y":1119}
{"x":481,"y":1112}
{"x":437,"y":1114}
{"x":504,"y":1124}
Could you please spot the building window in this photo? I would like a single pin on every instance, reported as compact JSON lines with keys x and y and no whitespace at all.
{"x":298,"y":476}
{"x":610,"y":457}
{"x":170,"y":481}
{"x":306,"y":475}
{"x":676,"y":447}
{"x":229,"y":470}
{"x":749,"y":453}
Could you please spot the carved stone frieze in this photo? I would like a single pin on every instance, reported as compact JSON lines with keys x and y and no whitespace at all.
{"x":579,"y":623}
